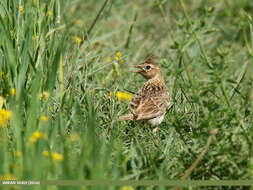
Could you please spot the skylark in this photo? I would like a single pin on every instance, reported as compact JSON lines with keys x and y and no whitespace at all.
{"x":152,"y":99}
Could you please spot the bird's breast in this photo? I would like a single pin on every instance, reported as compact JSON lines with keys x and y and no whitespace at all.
{"x":157,"y":120}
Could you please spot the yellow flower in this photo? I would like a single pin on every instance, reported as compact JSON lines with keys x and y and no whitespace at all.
{"x":44,"y":96}
{"x":36,"y":135}
{"x":45,"y":153}
{"x":2,"y":122}
{"x":43,"y":118}
{"x":124,"y":96}
{"x":21,"y":9}
{"x":8,"y":177}
{"x":109,"y":59}
{"x":118,"y":54}
{"x":50,"y":13}
{"x":116,"y":58}
{"x":1,"y":102}
{"x":57,"y":157}
{"x":33,"y":139}
{"x":126,"y":188}
{"x":13,"y":92}
{"x":19,"y":154}
{"x":5,"y":115}
{"x":77,"y":39}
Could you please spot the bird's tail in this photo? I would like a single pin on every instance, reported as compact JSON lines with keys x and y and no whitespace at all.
{"x":126,"y":117}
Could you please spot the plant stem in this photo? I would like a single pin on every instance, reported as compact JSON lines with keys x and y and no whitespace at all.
{"x":97,"y":17}
{"x":196,"y":36}
{"x":194,"y":165}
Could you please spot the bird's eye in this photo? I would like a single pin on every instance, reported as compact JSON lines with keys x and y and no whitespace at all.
{"x":148,"y":67}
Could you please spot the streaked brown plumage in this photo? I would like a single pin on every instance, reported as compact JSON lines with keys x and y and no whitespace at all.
{"x":152,"y":99}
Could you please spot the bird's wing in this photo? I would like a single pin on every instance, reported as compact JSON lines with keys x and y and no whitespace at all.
{"x":148,"y":104}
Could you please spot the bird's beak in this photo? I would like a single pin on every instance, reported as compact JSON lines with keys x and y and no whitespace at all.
{"x":139,"y":67}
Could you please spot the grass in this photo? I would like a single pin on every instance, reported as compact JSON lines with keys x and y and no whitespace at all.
{"x":56,"y":82}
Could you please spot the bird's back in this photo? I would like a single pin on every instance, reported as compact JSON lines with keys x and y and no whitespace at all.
{"x":151,"y":100}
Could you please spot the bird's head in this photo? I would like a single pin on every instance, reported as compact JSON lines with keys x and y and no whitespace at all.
{"x":149,"y":69}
